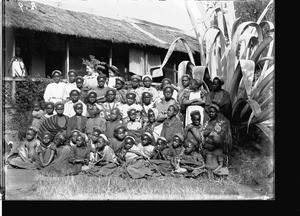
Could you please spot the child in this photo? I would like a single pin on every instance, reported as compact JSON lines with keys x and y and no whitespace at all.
{"x":43,"y":151}
{"x":130,"y":103}
{"x":104,"y":154}
{"x":175,"y":148}
{"x":133,"y":126}
{"x":172,"y":124}
{"x":69,"y":106}
{"x":110,"y":104}
{"x":114,"y":121}
{"x":83,"y":89}
{"x":146,"y":144}
{"x":191,"y":160}
{"x":37,"y":114}
{"x":77,"y":121}
{"x":160,"y":145}
{"x":135,"y":86}
{"x":121,"y":92}
{"x":146,"y":103}
{"x":59,"y":158}
{"x":214,"y":157}
{"x":101,"y":89}
{"x":147,"y":81}
{"x":92,"y":141}
{"x":151,"y":125}
{"x":73,"y":137}
{"x":116,"y":142}
{"x":72,"y":74}
{"x":193,"y":131}
{"x":49,"y":108}
{"x":91,"y":102}
{"x":195,"y":100}
{"x":27,"y":151}
{"x":79,"y":155}
{"x":136,"y":164}
{"x":95,"y":120}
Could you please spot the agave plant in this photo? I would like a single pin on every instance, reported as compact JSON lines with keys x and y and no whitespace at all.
{"x":236,"y":52}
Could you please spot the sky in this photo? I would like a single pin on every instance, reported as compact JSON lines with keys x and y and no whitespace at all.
{"x":168,"y":12}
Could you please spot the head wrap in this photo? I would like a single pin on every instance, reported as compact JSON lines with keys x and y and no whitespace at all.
{"x":33,"y":128}
{"x":114,"y":69}
{"x":180,"y":136}
{"x":90,"y":92}
{"x":149,"y":135}
{"x":119,"y":126}
{"x":75,"y":130}
{"x":131,"y":138}
{"x":101,"y":75}
{"x":75,"y":89}
{"x":168,"y":86}
{"x":220,"y":78}
{"x":56,"y":71}
{"x":121,"y":79}
{"x":167,"y":79}
{"x":162,"y":138}
{"x":59,"y":103}
{"x":130,"y":93}
{"x":136,"y":77}
{"x":49,"y":103}
{"x":155,"y":111}
{"x":214,"y":106}
{"x":47,"y":133}
{"x":72,"y":71}
{"x":77,"y":103}
{"x":147,"y":75}
{"x":79,"y":78}
{"x":104,"y":137}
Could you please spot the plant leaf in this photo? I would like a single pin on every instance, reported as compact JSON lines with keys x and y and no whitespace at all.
{"x":255,"y":107}
{"x":267,"y":131}
{"x":247,"y":68}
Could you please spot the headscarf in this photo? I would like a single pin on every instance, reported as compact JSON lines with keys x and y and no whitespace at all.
{"x":147,"y":75}
{"x":180,"y":136}
{"x":56,"y":71}
{"x":79,"y":77}
{"x":128,"y":136}
{"x":155,"y":111}
{"x":149,"y":135}
{"x":162,"y":138}
{"x":121,"y":79}
{"x":130,"y":93}
{"x":77,"y":103}
{"x":168,"y":86}
{"x":104,"y":137}
{"x":136,"y":77}
{"x":58,"y":103}
{"x":214,"y":106}
{"x":72,"y":71}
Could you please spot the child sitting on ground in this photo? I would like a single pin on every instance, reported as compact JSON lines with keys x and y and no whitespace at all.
{"x":151,"y":125}
{"x":73,"y":137}
{"x":116,"y":142}
{"x":79,"y":155}
{"x":133,"y":126}
{"x":214,"y":157}
{"x":104,"y":154}
{"x":191,"y":160}
{"x":161,"y":144}
{"x":92,"y":141}
{"x":193,"y":131}
{"x":175,"y":147}
{"x":130,"y":103}
{"x":43,"y":151}
{"x":77,"y":121}
{"x":146,"y":144}
{"x":172,"y":124}
{"x":27,"y":151}
{"x":37,"y":114}
{"x":113,"y":122}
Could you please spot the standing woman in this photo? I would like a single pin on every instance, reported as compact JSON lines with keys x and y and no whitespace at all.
{"x":220,"y":97}
{"x":54,"y":92}
{"x":90,"y":80}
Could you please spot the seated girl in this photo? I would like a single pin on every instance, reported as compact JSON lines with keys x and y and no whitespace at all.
{"x":133,"y":126}
{"x":73,"y":137}
{"x":151,"y":125}
{"x":37,"y":114}
{"x":130,"y":103}
{"x":79,"y":155}
{"x":147,"y":144}
{"x":57,"y":165}
{"x":136,"y":164}
{"x":43,"y":151}
{"x":193,"y":130}
{"x":26,"y":157}
{"x":114,"y":121}
{"x":116,"y":143}
{"x":160,"y":145}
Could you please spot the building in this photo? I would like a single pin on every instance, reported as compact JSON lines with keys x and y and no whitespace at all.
{"x":53,"y":38}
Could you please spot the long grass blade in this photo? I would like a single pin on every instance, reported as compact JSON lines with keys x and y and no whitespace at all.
{"x":264,"y":11}
{"x":265,"y":83}
{"x":247,"y":68}
{"x":267,"y":131}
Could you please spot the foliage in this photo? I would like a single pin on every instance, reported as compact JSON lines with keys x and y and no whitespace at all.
{"x":28,"y":91}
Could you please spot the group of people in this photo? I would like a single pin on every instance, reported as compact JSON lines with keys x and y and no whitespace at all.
{"x":101,"y":125}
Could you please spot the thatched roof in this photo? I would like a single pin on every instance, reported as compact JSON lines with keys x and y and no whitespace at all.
{"x":47,"y":18}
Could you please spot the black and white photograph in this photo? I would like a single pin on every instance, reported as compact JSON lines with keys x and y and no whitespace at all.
{"x":137,"y":100}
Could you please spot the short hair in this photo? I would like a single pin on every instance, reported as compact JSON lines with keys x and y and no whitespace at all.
{"x":128,"y":111}
{"x":116,"y":108}
{"x":175,"y":106}
{"x":92,"y":92}
{"x":121,"y":79}
{"x":49,"y":103}
{"x":195,"y":112}
{"x":77,"y":90}
{"x":144,"y":93}
{"x":79,"y":78}
{"x":56,"y":71}
{"x":72,"y":71}
{"x":130,"y":93}
{"x":111,"y":89}
{"x":168,"y":86}
{"x":120,"y":127}
{"x":58,"y":103}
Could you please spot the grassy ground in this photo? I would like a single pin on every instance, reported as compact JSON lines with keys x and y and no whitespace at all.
{"x":248,"y":179}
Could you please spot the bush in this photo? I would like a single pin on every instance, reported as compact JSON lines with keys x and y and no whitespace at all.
{"x":28,"y":91}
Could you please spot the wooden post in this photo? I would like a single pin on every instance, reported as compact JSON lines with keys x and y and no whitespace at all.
{"x":146,"y":63}
{"x":110,"y":55}
{"x":67,"y":59}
